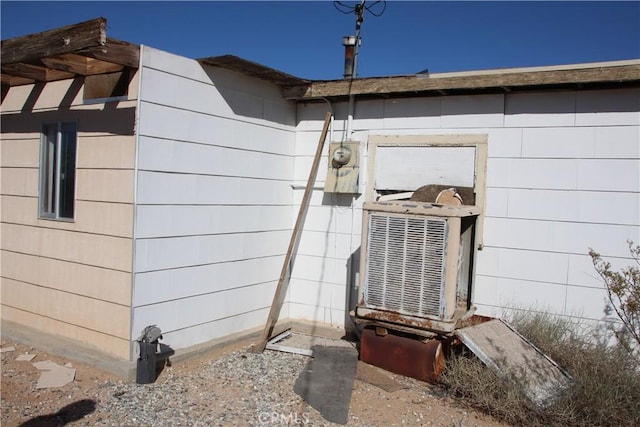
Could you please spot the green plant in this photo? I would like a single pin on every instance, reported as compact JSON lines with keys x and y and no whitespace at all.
{"x":623,"y":290}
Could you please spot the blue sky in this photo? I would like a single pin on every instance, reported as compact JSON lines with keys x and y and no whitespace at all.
{"x":304,"y":38}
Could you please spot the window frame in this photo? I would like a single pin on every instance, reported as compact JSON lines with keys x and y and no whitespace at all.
{"x":478,"y":141}
{"x":50,"y":181}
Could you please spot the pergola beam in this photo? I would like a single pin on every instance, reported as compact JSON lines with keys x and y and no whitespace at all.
{"x":79,"y":64}
{"x":35,"y":72}
{"x":59,"y":41}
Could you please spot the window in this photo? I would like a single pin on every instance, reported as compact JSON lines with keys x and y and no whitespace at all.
{"x":58,"y":170}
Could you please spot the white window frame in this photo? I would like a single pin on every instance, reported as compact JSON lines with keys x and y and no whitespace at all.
{"x":52,"y":171}
{"x":478,"y":141}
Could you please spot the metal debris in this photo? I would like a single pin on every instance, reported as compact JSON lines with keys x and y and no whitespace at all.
{"x":508,"y":353}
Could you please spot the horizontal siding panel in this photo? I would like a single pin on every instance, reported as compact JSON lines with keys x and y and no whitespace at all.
{"x":504,"y":142}
{"x":470,"y":111}
{"x":583,"y":273}
{"x":105,"y":185}
{"x":587,"y":303}
{"x":166,"y":188}
{"x":559,"y":142}
{"x":92,"y":282}
{"x":114,"y":346}
{"x":621,"y":142}
{"x":113,"y":319}
{"x":180,"y":157}
{"x":332,"y":245}
{"x":169,"y":221}
{"x":611,"y":208}
{"x":524,"y":264}
{"x":319,"y":294}
{"x":412,"y":113}
{"x":333,"y":219}
{"x":20,"y":153}
{"x":559,"y":174}
{"x":166,"y":285}
{"x":321,"y":199}
{"x":90,"y":249}
{"x":523,"y":294}
{"x":107,"y":152}
{"x":314,"y":313}
{"x":321,"y":269}
{"x":93,"y":120}
{"x":541,"y":109}
{"x":577,"y":206}
{"x":303,"y":167}
{"x":180,"y":125}
{"x":219,"y":329}
{"x":367,"y":114}
{"x":608,"y":107}
{"x":112,"y":219}
{"x":50,"y":96}
{"x":160,"y":254}
{"x":172,"y":63}
{"x":184,"y":313}
{"x":497,"y":202}
{"x":183,"y":93}
{"x":573,"y":238}
{"x":19,"y":181}
{"x":609,"y":175}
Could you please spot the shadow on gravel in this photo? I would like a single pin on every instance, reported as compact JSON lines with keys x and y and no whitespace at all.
{"x":73,"y":412}
{"x":327,"y":381}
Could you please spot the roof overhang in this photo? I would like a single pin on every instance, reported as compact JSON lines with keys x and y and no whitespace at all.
{"x":575,"y":76}
{"x":76,"y":50}
{"x":253,"y":69}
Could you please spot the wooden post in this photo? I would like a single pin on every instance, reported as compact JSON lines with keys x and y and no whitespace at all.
{"x":287,"y":266}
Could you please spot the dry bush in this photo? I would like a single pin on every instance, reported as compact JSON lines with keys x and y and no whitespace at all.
{"x":605,"y":390}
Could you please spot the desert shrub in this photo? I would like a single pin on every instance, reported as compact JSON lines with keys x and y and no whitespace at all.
{"x":605,"y":390}
{"x":623,"y":290}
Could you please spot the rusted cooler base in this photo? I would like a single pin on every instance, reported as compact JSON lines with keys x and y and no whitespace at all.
{"x":401,"y":354}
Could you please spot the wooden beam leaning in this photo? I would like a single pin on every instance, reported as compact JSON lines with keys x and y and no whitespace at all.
{"x":287,"y":266}
{"x":58,"y":41}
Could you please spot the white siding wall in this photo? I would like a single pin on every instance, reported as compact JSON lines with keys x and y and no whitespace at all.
{"x":213,"y":202}
{"x":563,"y":176}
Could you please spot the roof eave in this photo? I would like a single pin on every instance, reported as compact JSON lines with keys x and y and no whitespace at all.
{"x":619,"y":73}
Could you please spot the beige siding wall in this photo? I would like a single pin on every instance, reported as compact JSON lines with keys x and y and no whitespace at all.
{"x":70,"y":279}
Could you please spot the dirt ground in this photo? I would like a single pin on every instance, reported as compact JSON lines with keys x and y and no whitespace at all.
{"x":414,"y":403}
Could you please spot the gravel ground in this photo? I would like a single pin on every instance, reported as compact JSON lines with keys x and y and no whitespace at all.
{"x":228,"y":387}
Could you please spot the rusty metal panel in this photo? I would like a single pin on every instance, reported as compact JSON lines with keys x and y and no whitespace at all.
{"x":505,"y":351}
{"x":423,"y":360}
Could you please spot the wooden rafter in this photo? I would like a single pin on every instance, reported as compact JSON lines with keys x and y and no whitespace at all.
{"x":115,"y":51}
{"x":78,"y":64}
{"x":30,"y":48}
{"x":35,"y":72}
{"x":8,"y":80}
{"x":75,"y":50}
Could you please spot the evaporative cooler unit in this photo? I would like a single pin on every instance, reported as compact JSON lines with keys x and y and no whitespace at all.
{"x":416,"y":278}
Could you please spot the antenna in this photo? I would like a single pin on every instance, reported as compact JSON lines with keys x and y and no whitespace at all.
{"x":352,"y":43}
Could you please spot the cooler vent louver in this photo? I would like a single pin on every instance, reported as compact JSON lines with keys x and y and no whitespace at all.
{"x":405,"y":264}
